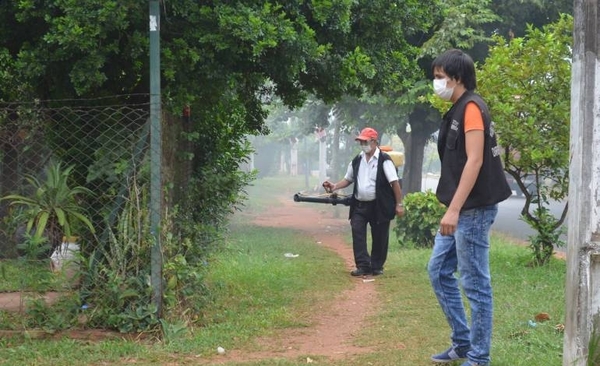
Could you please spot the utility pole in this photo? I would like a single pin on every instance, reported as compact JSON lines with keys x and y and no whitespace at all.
{"x":582,"y":324}
{"x":155,"y":157}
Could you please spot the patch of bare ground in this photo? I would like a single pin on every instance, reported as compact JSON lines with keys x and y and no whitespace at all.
{"x":16,"y":301}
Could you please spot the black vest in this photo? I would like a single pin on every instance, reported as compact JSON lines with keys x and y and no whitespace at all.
{"x":491,"y":186}
{"x":385,"y":201}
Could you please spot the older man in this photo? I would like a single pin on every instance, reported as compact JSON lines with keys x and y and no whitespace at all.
{"x":376,"y":199}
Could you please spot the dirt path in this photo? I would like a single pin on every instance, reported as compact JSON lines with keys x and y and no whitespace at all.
{"x":335,"y":324}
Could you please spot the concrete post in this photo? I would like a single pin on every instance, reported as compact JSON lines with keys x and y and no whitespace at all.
{"x":583,"y":258}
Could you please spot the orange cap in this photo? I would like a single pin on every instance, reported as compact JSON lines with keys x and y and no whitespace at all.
{"x":367,"y":134}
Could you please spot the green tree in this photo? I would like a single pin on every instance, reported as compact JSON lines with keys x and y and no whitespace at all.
{"x":460,"y":25}
{"x":517,"y":15}
{"x":526,"y":82}
{"x":224,"y":59}
{"x":457,"y":24}
{"x":467,"y":25}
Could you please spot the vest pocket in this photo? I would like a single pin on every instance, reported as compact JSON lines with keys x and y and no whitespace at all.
{"x":452,"y":139}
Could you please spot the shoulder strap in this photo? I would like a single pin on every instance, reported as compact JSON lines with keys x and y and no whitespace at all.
{"x":355,"y":165}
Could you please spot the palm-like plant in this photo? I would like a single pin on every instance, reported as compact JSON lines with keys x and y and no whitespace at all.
{"x":52,"y":210}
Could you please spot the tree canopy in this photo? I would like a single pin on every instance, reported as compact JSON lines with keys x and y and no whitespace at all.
{"x":213,"y":52}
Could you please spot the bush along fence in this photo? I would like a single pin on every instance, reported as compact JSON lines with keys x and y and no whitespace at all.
{"x":75,"y":238}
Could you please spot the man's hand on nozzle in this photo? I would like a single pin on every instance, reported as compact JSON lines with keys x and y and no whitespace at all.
{"x":328,"y":186}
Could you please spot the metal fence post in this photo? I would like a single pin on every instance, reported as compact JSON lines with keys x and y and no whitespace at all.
{"x":155,"y":154}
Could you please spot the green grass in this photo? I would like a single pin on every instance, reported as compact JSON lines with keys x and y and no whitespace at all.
{"x":23,"y":275}
{"x":257,"y":291}
{"x":410,"y":327}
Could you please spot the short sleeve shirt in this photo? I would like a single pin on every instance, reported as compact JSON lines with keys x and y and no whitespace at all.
{"x":367,"y":175}
{"x":473,"y":118}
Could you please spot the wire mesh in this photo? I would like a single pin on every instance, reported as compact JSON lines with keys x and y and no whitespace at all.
{"x":74,"y":183}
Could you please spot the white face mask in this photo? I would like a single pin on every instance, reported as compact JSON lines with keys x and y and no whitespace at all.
{"x":366,"y":148}
{"x":440,"y":89}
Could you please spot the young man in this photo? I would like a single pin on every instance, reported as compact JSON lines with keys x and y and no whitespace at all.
{"x":377,"y":197}
{"x":471,"y":184}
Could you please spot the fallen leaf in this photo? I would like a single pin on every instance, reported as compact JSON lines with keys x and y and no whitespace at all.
{"x":542,"y":317}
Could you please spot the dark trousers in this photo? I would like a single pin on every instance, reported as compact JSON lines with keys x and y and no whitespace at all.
{"x":364,"y":213}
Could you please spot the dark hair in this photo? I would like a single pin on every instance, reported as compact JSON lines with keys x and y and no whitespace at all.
{"x":457,"y":65}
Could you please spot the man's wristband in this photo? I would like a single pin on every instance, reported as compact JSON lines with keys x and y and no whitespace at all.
{"x":401,"y":205}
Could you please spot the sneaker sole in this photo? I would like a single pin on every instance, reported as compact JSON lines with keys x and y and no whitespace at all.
{"x":447,"y":361}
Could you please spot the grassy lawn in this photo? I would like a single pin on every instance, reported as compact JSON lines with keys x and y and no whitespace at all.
{"x":256,"y":291}
{"x":411,"y":327}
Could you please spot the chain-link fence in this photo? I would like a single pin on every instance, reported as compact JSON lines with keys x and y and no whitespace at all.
{"x":75,"y":187}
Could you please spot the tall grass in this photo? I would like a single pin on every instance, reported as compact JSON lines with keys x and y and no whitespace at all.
{"x":255,"y":290}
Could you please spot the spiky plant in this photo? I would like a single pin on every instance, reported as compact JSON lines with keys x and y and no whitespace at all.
{"x":52,"y":209}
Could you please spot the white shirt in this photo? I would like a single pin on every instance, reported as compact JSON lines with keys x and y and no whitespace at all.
{"x":367,"y":175}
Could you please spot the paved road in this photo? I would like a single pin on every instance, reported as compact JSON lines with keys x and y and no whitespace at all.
{"x":508,"y":221}
{"x":509,"y":212}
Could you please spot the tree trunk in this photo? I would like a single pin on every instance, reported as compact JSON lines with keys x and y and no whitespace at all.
{"x":423,"y":122}
{"x":335,"y":152}
{"x":414,"y":147}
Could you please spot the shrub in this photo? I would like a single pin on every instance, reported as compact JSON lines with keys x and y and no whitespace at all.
{"x":52,"y":209}
{"x":422,"y":215}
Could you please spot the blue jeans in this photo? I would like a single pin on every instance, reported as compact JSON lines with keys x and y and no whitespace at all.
{"x":467,"y":251}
